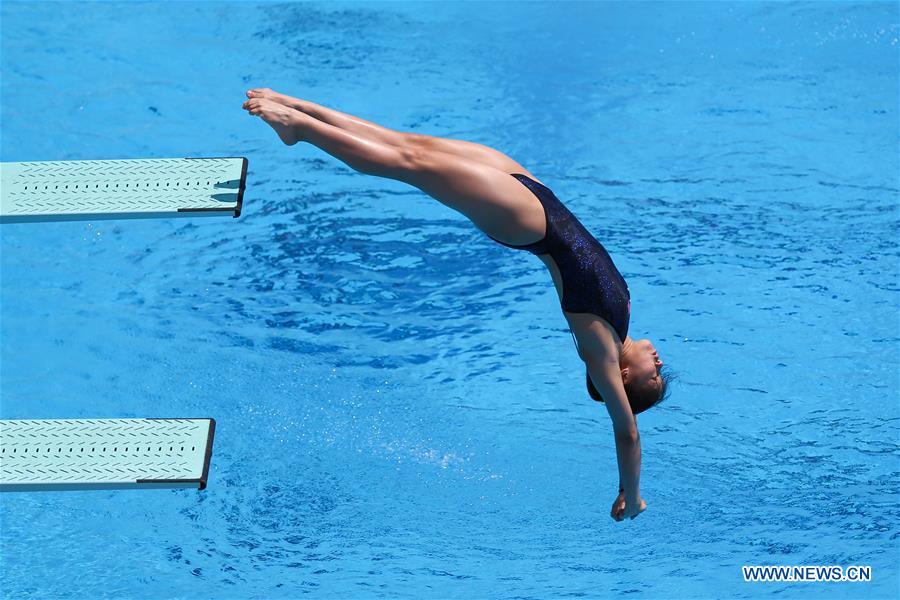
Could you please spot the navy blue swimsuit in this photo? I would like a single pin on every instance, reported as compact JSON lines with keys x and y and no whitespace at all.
{"x":591,"y":282}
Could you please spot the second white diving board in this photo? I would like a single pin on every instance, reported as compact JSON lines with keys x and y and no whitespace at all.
{"x":92,"y":454}
{"x":121,"y":189}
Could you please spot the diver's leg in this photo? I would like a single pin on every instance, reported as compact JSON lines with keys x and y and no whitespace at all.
{"x":333,"y":117}
{"x":470,"y":150}
{"x":496,"y":203}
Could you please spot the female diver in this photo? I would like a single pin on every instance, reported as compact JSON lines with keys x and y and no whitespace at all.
{"x":516,"y":209}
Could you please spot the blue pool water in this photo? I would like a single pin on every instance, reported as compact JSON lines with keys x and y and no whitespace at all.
{"x":401,"y":412}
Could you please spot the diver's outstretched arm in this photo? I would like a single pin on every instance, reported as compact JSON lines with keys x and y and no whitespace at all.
{"x":607,"y":378}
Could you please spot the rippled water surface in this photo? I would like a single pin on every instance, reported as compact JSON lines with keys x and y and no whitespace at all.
{"x":401,"y":412}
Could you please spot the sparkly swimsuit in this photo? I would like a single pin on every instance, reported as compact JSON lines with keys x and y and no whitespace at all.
{"x":591,"y":282}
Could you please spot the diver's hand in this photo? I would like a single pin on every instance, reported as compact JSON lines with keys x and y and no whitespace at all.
{"x":618,"y":507}
{"x":634,"y":509}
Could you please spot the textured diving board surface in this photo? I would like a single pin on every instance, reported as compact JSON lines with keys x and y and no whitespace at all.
{"x":105,"y":454}
{"x":121,"y":189}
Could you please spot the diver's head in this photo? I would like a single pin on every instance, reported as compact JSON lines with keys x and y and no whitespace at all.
{"x":643,"y":375}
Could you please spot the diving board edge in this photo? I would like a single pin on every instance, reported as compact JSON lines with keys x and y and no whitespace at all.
{"x":201,"y":483}
{"x":240,"y":198}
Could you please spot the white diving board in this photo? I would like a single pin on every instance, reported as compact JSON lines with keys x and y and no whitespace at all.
{"x":121,"y":189}
{"x":98,"y":454}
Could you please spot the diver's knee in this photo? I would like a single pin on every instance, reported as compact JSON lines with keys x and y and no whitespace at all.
{"x":414,"y":158}
{"x":417,"y":140}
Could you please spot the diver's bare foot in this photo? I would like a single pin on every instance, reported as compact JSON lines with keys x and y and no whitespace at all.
{"x":280,"y":98}
{"x":286,"y":122}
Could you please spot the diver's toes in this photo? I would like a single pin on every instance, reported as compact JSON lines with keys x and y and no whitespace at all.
{"x":259,"y":92}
